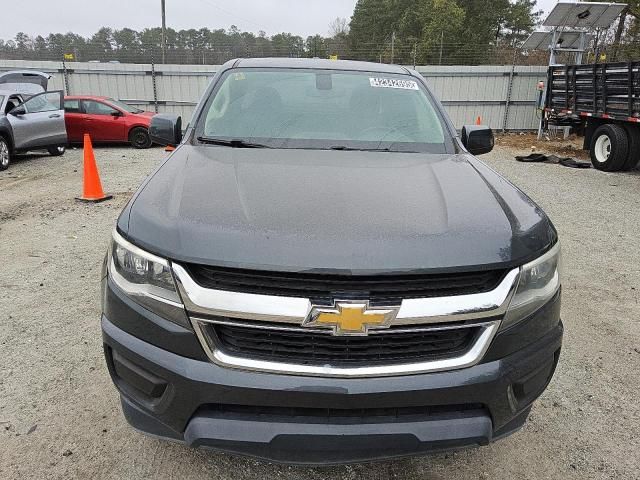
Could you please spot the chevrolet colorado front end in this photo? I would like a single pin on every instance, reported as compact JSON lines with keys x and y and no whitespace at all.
{"x":322,"y":272}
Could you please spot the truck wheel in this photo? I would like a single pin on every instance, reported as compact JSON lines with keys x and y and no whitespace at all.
{"x":139,"y":138}
{"x":609,"y":148}
{"x":633,"y":158}
{"x":57,"y":151}
{"x":5,"y":154}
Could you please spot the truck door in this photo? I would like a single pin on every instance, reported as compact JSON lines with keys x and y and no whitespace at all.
{"x":39,"y":122}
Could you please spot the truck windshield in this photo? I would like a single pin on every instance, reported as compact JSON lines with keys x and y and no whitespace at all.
{"x":341,"y":110}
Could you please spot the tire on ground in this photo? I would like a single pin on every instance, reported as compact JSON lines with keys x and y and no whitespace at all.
{"x":613,"y":158}
{"x":139,"y":137}
{"x":57,"y":150}
{"x":5,"y":153}
{"x":633,"y":157}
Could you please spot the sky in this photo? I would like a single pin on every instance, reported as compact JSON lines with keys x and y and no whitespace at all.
{"x":84,"y":17}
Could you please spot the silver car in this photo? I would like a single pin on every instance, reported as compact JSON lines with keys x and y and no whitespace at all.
{"x":31,"y":118}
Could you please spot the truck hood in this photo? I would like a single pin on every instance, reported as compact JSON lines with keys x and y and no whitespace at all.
{"x":25,"y":82}
{"x":332,"y":211}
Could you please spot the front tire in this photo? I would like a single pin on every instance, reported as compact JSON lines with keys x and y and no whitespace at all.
{"x":5,"y":154}
{"x":139,"y":138}
{"x":609,"y":148}
{"x":57,"y":151}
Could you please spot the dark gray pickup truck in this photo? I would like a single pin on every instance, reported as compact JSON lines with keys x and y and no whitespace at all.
{"x":322,"y":272}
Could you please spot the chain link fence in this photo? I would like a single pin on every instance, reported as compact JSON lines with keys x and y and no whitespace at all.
{"x":400,"y":52}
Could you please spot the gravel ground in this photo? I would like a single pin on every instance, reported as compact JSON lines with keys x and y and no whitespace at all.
{"x":60,"y":415}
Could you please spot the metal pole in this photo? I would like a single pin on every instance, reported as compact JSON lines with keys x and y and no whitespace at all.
{"x":164,"y":31}
{"x":552,"y":61}
{"x":583,"y":46}
{"x":415,"y":53}
{"x":65,"y":76}
{"x":393,"y":45}
{"x":155,"y":87}
{"x":554,"y":42}
{"x":505,"y":119}
{"x":441,"y":45}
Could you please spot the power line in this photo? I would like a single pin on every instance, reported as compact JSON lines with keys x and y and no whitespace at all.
{"x":231,"y":14}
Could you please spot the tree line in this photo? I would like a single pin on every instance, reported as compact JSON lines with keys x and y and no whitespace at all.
{"x":399,"y":31}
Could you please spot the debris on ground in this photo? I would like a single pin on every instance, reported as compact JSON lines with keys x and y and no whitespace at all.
{"x":528,"y":141}
{"x":541,"y":158}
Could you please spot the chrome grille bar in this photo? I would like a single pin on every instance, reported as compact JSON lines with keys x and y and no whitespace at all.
{"x":467,"y":359}
{"x":481,"y":311}
{"x":248,"y":306}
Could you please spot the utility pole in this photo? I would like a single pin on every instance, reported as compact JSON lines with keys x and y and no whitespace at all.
{"x":441,"y":45}
{"x":393,"y":45}
{"x":164,"y":31}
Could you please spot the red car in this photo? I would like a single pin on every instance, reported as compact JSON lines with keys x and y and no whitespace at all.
{"x":106,"y":120}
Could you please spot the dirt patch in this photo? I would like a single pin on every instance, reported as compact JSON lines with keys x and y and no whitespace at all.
{"x":529,"y":143}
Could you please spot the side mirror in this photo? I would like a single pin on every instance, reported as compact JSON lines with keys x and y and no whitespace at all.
{"x":116,"y":113}
{"x":19,"y":110}
{"x":166,"y":129}
{"x":477,"y":139}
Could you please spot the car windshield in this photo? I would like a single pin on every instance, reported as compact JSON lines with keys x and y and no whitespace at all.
{"x":124,"y":106}
{"x":342,"y":110}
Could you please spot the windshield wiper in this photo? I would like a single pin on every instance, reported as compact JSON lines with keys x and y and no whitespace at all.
{"x":234,"y":142}
{"x":344,"y":148}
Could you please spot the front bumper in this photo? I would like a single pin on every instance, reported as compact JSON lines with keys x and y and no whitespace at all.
{"x":174,"y":392}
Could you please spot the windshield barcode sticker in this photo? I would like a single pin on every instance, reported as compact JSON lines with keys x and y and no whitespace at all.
{"x":393,"y":83}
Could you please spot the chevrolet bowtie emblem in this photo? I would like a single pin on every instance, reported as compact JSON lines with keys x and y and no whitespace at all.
{"x":350,"y":318}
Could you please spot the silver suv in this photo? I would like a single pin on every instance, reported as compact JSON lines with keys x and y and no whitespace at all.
{"x":31,"y":118}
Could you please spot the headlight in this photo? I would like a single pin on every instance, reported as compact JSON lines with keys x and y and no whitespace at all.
{"x":539,"y":282}
{"x":146,"y":279}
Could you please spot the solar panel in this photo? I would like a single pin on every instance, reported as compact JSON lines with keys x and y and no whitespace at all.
{"x":584,"y":14}
{"x":542,"y":40}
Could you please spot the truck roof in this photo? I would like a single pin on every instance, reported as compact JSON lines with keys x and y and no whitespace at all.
{"x":320,"y":64}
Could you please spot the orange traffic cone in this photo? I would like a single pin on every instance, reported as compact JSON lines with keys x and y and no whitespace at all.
{"x":169,"y":148}
{"x":479,"y":120}
{"x":92,"y":187}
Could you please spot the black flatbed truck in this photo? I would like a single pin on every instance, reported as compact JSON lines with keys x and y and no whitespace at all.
{"x":602,"y":102}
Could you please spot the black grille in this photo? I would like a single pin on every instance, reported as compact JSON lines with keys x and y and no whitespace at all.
{"x":376,"y":288}
{"x":341,"y":415}
{"x":308,"y":348}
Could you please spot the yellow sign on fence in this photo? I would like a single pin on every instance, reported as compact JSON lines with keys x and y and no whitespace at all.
{"x":333,"y":57}
{"x":69,"y":56}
